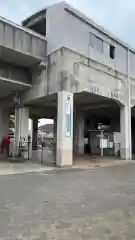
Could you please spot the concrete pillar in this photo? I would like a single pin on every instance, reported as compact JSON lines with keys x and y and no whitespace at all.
{"x":21,"y":124}
{"x":64,"y":152}
{"x":79,"y":133}
{"x":55,"y":128}
{"x":34,"y":133}
{"x":4,"y":122}
{"x":125,"y":127}
{"x":54,"y":138}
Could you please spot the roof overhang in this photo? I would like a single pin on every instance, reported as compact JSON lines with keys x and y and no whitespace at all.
{"x":18,"y":58}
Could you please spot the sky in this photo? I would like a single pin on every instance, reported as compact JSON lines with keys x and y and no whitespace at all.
{"x":117,"y":16}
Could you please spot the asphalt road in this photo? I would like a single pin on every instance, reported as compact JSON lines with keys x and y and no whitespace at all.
{"x":66,"y":205}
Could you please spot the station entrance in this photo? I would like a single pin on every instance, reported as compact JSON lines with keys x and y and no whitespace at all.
{"x":96,"y":128}
{"x":96,"y":133}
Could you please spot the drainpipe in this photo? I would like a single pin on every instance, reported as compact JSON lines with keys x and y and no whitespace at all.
{"x":129,"y":104}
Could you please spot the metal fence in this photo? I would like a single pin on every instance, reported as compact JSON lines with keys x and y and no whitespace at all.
{"x":45,"y":152}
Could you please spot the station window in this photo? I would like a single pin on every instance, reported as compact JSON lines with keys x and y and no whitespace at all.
{"x":96,"y":42}
{"x":112,"y":52}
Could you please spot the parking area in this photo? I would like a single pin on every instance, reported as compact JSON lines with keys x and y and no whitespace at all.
{"x":94,"y":204}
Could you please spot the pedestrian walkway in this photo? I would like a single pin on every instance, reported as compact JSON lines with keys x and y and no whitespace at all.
{"x":8,"y":168}
{"x":22,"y":167}
{"x":86,"y":162}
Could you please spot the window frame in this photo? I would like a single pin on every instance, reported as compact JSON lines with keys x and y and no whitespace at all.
{"x":93,"y":37}
{"x":112,"y":51}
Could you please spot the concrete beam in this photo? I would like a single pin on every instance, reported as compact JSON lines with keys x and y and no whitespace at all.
{"x":94,"y":106}
{"x":43,"y":112}
{"x":16,"y":39}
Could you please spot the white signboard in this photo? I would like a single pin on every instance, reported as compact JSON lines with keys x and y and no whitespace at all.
{"x":110,"y":144}
{"x":103,"y":143}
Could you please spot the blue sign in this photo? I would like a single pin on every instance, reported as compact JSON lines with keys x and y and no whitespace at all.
{"x":68,"y":120}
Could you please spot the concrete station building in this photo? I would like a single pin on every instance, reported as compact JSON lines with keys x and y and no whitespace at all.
{"x":61,"y":65}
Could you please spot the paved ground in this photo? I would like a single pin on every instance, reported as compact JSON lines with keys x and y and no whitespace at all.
{"x":9,"y":168}
{"x":62,"y":205}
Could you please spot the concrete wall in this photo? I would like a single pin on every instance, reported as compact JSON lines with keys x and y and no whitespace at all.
{"x":73,"y":72}
{"x":48,"y":80}
{"x":65,"y":29}
{"x":55,"y":72}
{"x":39,"y":86}
{"x":70,"y":71}
{"x":54,"y":27}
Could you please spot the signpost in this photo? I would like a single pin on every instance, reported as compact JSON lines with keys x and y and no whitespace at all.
{"x":103,"y":141}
